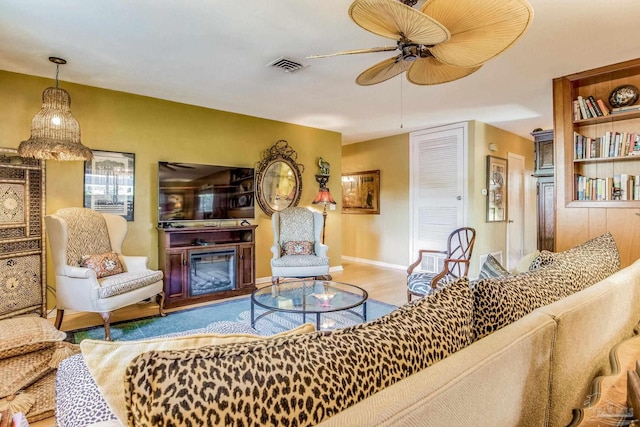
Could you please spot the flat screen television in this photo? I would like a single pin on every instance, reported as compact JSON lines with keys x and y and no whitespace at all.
{"x":190,"y":192}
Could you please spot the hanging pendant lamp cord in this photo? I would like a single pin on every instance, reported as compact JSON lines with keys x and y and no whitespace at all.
{"x":57,"y":71}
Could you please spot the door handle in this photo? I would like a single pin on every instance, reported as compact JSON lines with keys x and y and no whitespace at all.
{"x":459,"y":197}
{"x":510,"y":221}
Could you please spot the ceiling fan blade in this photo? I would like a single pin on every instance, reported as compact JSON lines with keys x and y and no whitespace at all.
{"x":382,"y":71}
{"x":430,"y":71}
{"x":166,"y":166}
{"x":352,"y":52}
{"x":389,"y":18}
{"x":480,"y":29}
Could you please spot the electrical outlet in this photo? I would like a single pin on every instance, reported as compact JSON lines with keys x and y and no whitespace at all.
{"x":332,"y":207}
{"x":483,"y":191}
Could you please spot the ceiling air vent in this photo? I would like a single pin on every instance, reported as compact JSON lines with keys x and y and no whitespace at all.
{"x":288,"y":65}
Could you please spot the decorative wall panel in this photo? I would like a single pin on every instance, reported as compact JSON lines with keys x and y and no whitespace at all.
{"x":22,"y":247}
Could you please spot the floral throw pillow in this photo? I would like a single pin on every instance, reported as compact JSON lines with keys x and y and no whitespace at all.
{"x":298,"y":248}
{"x":103,"y":264}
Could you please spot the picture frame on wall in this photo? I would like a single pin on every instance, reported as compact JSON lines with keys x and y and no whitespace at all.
{"x":361,"y":192}
{"x":109,"y":183}
{"x":496,"y":189}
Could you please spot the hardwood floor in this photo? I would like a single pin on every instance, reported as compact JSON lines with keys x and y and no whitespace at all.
{"x":383,"y":284}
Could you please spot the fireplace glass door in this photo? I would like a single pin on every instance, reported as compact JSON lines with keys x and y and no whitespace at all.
{"x":212,"y":271}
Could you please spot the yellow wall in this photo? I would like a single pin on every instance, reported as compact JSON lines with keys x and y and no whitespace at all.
{"x":491,"y":236}
{"x":384,"y":239}
{"x":157,"y":130}
{"x":381,"y":238}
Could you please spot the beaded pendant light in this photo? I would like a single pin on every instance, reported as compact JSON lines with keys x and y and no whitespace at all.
{"x":55,"y":133}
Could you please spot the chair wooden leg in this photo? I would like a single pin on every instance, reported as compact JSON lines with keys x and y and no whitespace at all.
{"x":409,"y":294}
{"x":106,"y":317}
{"x":160,"y":300}
{"x":59,"y":316}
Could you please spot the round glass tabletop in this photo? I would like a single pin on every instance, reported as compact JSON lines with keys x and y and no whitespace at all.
{"x":309,"y":296}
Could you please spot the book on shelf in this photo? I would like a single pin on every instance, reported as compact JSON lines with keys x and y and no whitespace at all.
{"x":609,"y":145}
{"x":584,"y":111}
{"x":603,"y":107}
{"x":616,"y":187}
{"x":587,"y":107}
{"x":626,"y":109}
{"x":590,"y":106}
{"x":594,"y":104}
{"x":577,"y":114}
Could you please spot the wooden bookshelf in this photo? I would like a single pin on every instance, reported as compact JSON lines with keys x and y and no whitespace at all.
{"x":580,"y":220}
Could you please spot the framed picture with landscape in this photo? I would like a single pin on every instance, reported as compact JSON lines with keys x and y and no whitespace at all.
{"x":361,"y":192}
{"x":109,"y":183}
{"x":496,"y":189}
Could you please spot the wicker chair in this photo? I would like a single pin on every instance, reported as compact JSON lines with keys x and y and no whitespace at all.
{"x":297,"y":248}
{"x":456,"y":264}
{"x":77,"y":233}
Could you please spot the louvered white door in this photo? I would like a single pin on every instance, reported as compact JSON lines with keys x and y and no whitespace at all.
{"x":438,"y":191}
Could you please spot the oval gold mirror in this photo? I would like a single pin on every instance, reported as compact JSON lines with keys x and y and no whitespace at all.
{"x":279,"y":178}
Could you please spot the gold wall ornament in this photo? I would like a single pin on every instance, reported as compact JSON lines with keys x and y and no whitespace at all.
{"x":278,"y":178}
{"x":55,"y":132}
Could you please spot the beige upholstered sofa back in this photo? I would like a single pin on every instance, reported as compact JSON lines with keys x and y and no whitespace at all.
{"x":500,"y":380}
{"x":589,"y":324}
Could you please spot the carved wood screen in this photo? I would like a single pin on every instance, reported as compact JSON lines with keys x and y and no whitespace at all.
{"x":22,"y":246}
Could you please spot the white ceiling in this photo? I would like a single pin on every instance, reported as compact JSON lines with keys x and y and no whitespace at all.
{"x":213,"y":53}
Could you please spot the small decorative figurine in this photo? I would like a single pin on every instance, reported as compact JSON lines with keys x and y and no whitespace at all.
{"x":324,"y":167}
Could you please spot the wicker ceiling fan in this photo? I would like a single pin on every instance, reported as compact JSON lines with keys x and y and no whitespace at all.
{"x":444,"y":41}
{"x":174,"y":166}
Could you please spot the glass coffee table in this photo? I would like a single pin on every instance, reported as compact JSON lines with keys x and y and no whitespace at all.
{"x":310,"y":297}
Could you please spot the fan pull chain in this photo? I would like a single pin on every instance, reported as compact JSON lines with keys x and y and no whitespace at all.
{"x":401,"y":104}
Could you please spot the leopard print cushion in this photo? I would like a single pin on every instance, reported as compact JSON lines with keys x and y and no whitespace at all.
{"x":544,"y":259}
{"x":503,"y":300}
{"x":300,"y":380}
{"x":500,"y":301}
{"x":590,"y":262}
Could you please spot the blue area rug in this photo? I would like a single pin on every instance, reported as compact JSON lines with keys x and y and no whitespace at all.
{"x":238,"y":310}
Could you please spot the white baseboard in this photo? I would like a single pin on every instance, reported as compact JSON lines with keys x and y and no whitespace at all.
{"x":261,"y":280}
{"x":376,"y":263}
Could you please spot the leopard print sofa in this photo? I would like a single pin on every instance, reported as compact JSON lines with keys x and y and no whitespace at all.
{"x":300,"y":380}
{"x":553,"y":276}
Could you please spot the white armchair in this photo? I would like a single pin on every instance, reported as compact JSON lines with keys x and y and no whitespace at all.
{"x":75,"y":233}
{"x":297,"y":247}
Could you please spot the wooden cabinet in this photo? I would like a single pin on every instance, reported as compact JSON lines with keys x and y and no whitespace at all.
{"x":546,"y":213}
{"x":543,"y":152}
{"x":544,"y":172}
{"x":22,"y":245}
{"x":203,"y":264}
{"x":578,"y":220}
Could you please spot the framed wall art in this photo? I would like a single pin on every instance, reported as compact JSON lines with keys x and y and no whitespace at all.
{"x":361,"y":192}
{"x":497,"y":189}
{"x":109,"y":183}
